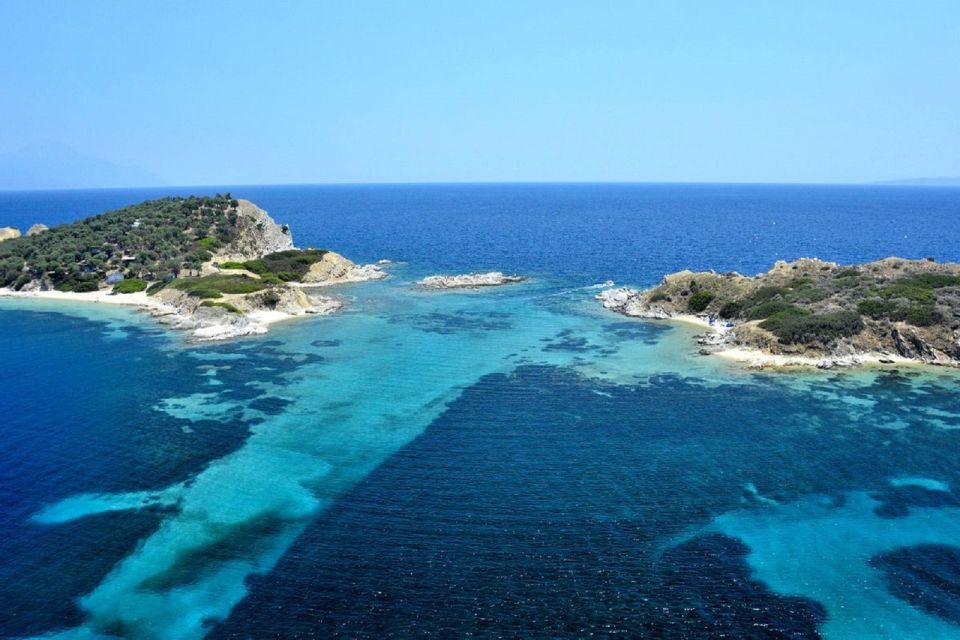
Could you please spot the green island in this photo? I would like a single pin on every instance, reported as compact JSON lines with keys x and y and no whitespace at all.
{"x":214,"y":264}
{"x":812,"y":311}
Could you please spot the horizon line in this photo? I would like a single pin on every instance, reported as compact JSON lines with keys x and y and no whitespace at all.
{"x":909,"y":182}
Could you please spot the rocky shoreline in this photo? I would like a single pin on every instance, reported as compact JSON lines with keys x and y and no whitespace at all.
{"x":812,"y":313}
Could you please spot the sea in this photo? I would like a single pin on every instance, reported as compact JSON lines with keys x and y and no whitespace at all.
{"x":514,"y":462}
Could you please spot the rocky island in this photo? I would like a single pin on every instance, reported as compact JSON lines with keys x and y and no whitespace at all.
{"x":469,"y":280}
{"x":811,"y":312}
{"x":216,"y":266}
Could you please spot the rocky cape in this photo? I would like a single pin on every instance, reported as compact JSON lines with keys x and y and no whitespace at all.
{"x":243,"y":285}
{"x":469,"y":280}
{"x":813,"y":313}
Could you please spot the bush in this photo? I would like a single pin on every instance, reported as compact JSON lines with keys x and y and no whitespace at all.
{"x":204,"y":293}
{"x":768,"y":309}
{"x":731,"y":309}
{"x":700,"y":300}
{"x":876,"y":309}
{"x":155,"y":288}
{"x":271,"y":298}
{"x":806,"y":328}
{"x":921,"y":315}
{"x":766,"y":292}
{"x":209,"y":244}
{"x":233,"y":265}
{"x":659,"y":296}
{"x":850,"y":272}
{"x":907,"y":291}
{"x":223,"y":305}
{"x":219,"y":283}
{"x":21,"y":281}
{"x":258,"y":267}
{"x":78,"y":286}
{"x":132,"y":285}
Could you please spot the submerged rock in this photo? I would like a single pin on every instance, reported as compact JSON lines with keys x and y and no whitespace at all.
{"x":469,"y":280}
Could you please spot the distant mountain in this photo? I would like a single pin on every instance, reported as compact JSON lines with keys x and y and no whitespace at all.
{"x":925,"y":182}
{"x":53,"y":165}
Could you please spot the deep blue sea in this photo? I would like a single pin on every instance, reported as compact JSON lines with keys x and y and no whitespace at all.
{"x":511,"y":463}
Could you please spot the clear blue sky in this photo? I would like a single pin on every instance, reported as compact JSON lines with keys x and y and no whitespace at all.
{"x":287,"y":92}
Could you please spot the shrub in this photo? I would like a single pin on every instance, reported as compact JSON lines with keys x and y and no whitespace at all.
{"x":290,"y":265}
{"x":155,"y":288}
{"x":271,"y":298}
{"x":86,"y":286}
{"x":876,"y":309}
{"x":132,"y":285}
{"x":700,"y":300}
{"x":258,"y":267}
{"x":731,"y":309}
{"x":805,"y":328}
{"x":850,"y":272}
{"x":233,"y":265}
{"x":220,"y":283}
{"x":921,"y":315}
{"x":907,"y":291}
{"x":78,"y":286}
{"x":931,"y":280}
{"x":766,"y":292}
{"x":21,"y":281}
{"x":223,"y":305}
{"x":768,"y":309}
{"x":209,"y":244}
{"x":659,"y":296}
{"x":204,"y":293}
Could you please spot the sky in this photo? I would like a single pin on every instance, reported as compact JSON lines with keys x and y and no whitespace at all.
{"x":137,"y":93}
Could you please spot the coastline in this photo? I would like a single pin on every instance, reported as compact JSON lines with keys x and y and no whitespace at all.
{"x":752,"y":358}
{"x":259,"y":321}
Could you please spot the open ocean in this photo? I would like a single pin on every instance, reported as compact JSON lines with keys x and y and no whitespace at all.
{"x":511,"y":463}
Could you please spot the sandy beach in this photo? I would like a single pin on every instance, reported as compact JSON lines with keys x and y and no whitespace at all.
{"x":259,"y":320}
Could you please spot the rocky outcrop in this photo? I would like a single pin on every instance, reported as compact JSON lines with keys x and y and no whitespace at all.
{"x":37,"y":228}
{"x":333,"y":268}
{"x":469,"y":280}
{"x":815,"y":311}
{"x":9,"y":233}
{"x":257,"y":235}
{"x":253,"y":311}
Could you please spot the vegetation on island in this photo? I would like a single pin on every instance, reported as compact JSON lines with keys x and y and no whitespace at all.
{"x":286,"y":266}
{"x":133,"y":285}
{"x":151,"y":241}
{"x":148,"y":247}
{"x":910,"y":307}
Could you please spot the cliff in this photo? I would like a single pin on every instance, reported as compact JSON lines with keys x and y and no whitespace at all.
{"x":815,"y":310}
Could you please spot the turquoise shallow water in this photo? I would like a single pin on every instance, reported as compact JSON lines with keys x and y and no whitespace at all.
{"x":507,"y":463}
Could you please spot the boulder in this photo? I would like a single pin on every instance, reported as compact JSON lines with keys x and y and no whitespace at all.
{"x":37,"y":228}
{"x":9,"y":233}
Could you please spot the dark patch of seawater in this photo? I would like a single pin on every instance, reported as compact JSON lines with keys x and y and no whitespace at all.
{"x":544,"y":504}
{"x":80,"y":416}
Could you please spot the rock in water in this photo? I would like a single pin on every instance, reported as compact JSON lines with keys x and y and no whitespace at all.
{"x":469,"y":280}
{"x":9,"y":233}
